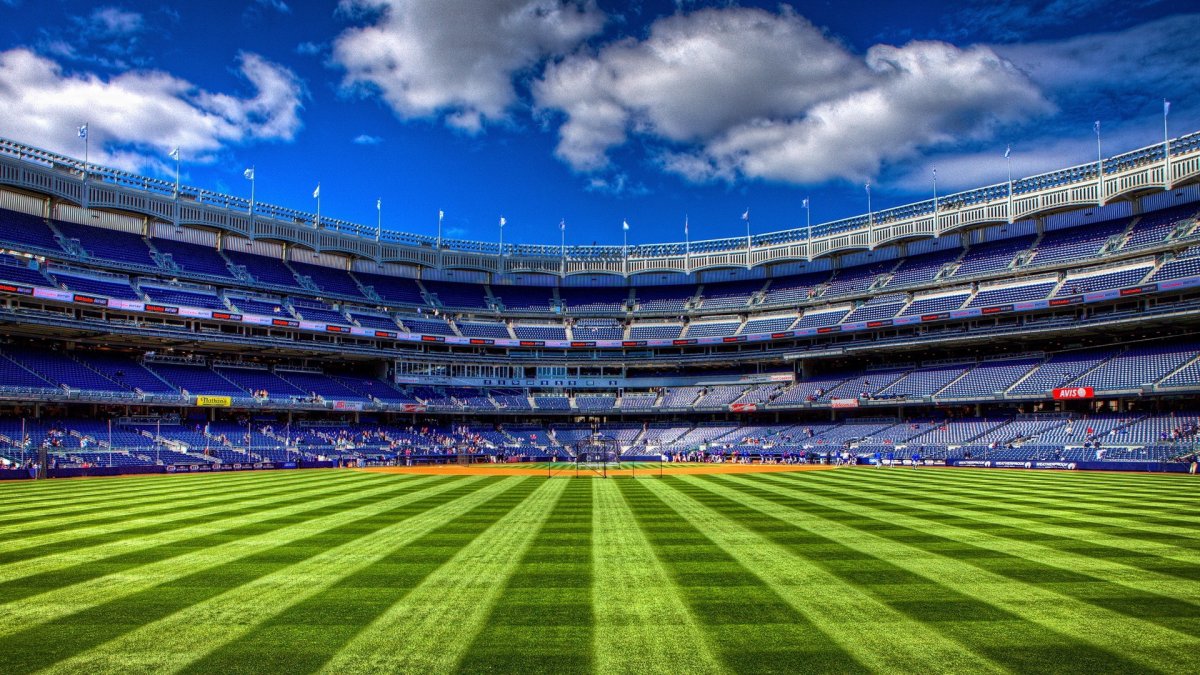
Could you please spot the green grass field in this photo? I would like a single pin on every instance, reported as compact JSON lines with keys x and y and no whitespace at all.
{"x":847,"y":571}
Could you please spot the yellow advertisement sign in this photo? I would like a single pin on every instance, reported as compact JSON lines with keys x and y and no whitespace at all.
{"x":214,"y":401}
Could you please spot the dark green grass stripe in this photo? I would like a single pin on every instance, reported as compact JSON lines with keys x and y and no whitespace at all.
{"x":544,"y":620}
{"x":1174,"y":614}
{"x":15,"y":589}
{"x":1058,"y":511}
{"x":1168,"y":491}
{"x":100,"y":490}
{"x":1169,"y":612}
{"x":1076,"y":544}
{"x":1066,"y":514}
{"x":747,"y":624}
{"x":318,"y":626}
{"x":121,"y":511}
{"x":175,"y":518}
{"x":29,"y":650}
{"x":982,"y":627}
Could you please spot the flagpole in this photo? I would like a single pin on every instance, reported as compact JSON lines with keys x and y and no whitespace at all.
{"x":317,"y":195}
{"x":441,"y":214}
{"x":502,"y":221}
{"x":687,"y":246}
{"x":808,"y":219}
{"x":1166,"y":145}
{"x":870,"y":216}
{"x":1008,"y":161}
{"x":937,"y":230}
{"x":1099,"y":168}
{"x":84,"y":131}
{"x":378,"y":219}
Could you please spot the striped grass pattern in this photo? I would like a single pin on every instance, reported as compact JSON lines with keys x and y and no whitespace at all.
{"x":860,"y":570}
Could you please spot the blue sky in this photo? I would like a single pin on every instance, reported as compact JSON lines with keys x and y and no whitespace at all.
{"x":592,"y":110}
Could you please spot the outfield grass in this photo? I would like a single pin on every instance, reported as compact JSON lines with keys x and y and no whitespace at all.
{"x":847,"y":571}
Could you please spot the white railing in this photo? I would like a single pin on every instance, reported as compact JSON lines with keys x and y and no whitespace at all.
{"x":67,"y":178}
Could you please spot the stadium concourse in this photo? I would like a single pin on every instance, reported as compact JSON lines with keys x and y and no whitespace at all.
{"x":1050,"y":322}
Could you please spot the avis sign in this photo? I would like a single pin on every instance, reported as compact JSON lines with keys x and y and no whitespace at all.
{"x":1070,"y":393}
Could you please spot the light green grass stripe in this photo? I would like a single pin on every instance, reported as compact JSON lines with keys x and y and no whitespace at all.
{"x":1154,"y":648}
{"x":977,"y":509}
{"x":132,"y":514}
{"x":90,"y":491}
{"x":177,"y":641}
{"x":1154,"y":489}
{"x":440,"y":618}
{"x":1108,"y":508}
{"x":68,"y":549}
{"x":61,"y":602}
{"x":1108,"y":578}
{"x":851,"y":617}
{"x":642,"y":625}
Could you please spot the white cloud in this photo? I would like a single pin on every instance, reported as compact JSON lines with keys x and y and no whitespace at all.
{"x":136,"y":117}
{"x":761,"y":95}
{"x":456,"y":58}
{"x":367,"y":139}
{"x":276,"y":5}
{"x":113,"y":21}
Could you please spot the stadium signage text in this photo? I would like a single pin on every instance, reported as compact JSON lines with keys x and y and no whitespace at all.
{"x":1071,"y":393}
{"x":214,"y":401}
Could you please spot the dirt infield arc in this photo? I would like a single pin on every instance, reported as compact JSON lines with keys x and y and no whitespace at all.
{"x":567,"y":470}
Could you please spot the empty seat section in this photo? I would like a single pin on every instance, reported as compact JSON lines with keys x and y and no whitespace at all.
{"x":730,"y":295}
{"x":399,"y":290}
{"x":599,"y":300}
{"x":111,"y":287}
{"x":664,"y":298}
{"x":24,"y":230}
{"x":265,"y":270}
{"x":539,"y":332}
{"x":992,"y":257}
{"x":490,"y":329}
{"x":329,"y":279}
{"x":194,"y":258}
{"x":524,"y":299}
{"x":458,"y":295}
{"x":188,"y":297}
{"x":106,"y":244}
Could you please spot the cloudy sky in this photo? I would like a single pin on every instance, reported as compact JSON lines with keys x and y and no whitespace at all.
{"x":595,"y":111}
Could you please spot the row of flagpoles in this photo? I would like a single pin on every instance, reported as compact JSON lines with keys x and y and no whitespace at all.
{"x":562,"y":225}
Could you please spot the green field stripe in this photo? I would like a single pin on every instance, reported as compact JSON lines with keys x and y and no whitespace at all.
{"x":319,"y":625}
{"x":642,"y":623}
{"x":1096,"y":489}
{"x":69,"y":493}
{"x":316,"y":515}
{"x":851,"y":616}
{"x":283,"y":576}
{"x":128,"y":517}
{"x":115,"y":617}
{"x":439,"y":618}
{"x":747,"y":624}
{"x":998,"y":610}
{"x":1079,"y":536}
{"x":1010,"y":553}
{"x":66,"y":550}
{"x":543,"y":619}
{"x":1109,"y":519}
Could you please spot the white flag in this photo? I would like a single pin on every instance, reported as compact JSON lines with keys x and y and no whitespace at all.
{"x":685,"y":226}
{"x":562,"y":225}
{"x":317,"y":192}
{"x":1007,"y":151}
{"x":441,"y":214}
{"x":378,"y":204}
{"x":1097,"y":127}
{"x":805,"y":202}
{"x":175,"y":154}
{"x":249,"y":174}
{"x":83,"y":131}
{"x":625,"y":225}
{"x":1166,"y":107}
{"x":503,"y":222}
{"x":746,"y":215}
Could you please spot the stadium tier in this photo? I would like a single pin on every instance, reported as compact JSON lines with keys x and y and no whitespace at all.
{"x":1059,"y":333}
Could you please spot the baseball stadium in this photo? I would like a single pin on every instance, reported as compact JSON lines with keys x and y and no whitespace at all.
{"x":958,"y":434}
